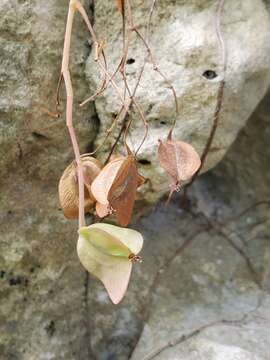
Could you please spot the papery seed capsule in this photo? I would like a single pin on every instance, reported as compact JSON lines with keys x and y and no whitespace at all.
{"x":108,"y":252}
{"x":69,"y":190}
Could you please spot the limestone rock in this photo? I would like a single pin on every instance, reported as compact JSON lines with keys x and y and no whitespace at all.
{"x":41,"y":280}
{"x":32,"y":36}
{"x":185,"y":46}
{"x":222,"y":273}
{"x":48,"y":309}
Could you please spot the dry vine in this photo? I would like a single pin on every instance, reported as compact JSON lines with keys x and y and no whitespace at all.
{"x":111,"y":187}
{"x":76,"y":6}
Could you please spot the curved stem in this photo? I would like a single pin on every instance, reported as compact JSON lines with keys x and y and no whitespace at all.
{"x":69,"y":107}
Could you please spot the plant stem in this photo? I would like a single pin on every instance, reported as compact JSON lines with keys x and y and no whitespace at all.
{"x":69,"y":107}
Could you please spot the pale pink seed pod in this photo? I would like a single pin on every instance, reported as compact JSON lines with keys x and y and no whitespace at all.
{"x":68,"y":186}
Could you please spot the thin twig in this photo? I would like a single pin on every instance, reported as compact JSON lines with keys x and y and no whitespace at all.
{"x":132,"y":96}
{"x":244,"y":212}
{"x":150,"y":53}
{"x":86,"y":318}
{"x":181,"y":339}
{"x":97,"y":93}
{"x":95,"y":39}
{"x":241,"y":252}
{"x":185,"y":337}
{"x":165,"y":267}
{"x":220,"y":95}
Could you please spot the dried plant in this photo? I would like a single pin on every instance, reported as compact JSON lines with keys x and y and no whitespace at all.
{"x":180,"y":161}
{"x":105,"y":250}
{"x":108,"y":252}
{"x":68,"y":186}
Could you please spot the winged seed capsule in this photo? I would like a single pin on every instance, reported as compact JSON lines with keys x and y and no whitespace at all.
{"x":115,"y":188}
{"x":180,"y":161}
{"x":108,"y":252}
{"x":68,"y":186}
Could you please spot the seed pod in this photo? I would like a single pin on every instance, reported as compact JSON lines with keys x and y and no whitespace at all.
{"x":115,"y":188}
{"x":69,"y":190}
{"x":123,"y":190}
{"x":108,"y":252}
{"x":180,"y":161}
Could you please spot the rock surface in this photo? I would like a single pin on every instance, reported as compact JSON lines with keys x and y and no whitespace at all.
{"x":185,"y":45}
{"x":49,"y":308}
{"x":41,"y":279}
{"x":204,"y":282}
{"x":32,"y":34}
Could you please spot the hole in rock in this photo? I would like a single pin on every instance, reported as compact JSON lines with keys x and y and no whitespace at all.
{"x":130,"y":61}
{"x":39,"y":136}
{"x":144,"y":162}
{"x":210,"y":74}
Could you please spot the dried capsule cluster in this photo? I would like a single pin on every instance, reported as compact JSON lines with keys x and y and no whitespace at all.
{"x":108,"y":251}
{"x":112,"y":189}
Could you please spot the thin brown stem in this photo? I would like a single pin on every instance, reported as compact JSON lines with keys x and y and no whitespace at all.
{"x":150,"y":53}
{"x":220,"y":95}
{"x":69,"y":107}
{"x":132,"y":94}
{"x":181,"y":339}
{"x":108,"y":133}
{"x":95,"y":39}
{"x":93,"y":97}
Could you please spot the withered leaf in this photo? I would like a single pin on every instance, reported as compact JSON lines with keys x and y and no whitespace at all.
{"x":179,"y":159}
{"x":68,"y":186}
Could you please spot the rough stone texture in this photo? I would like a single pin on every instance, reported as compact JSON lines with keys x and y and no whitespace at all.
{"x":32,"y":34}
{"x":206,"y":291}
{"x":184,"y":43}
{"x":47,"y":310}
{"x":41,"y":280}
{"x":215,"y":290}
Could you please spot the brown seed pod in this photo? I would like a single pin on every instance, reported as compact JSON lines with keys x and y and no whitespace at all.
{"x":115,"y":188}
{"x":180,"y":161}
{"x":123,"y":190}
{"x":69,"y":190}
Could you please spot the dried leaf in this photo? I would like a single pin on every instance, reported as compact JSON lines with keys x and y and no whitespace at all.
{"x":68,"y":186}
{"x":107,"y":252}
{"x":179,"y":159}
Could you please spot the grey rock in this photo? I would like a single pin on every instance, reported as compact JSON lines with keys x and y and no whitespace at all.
{"x":47,"y":308}
{"x":184,"y":43}
{"x":32,"y":35}
{"x":41,"y":280}
{"x":216,"y":311}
